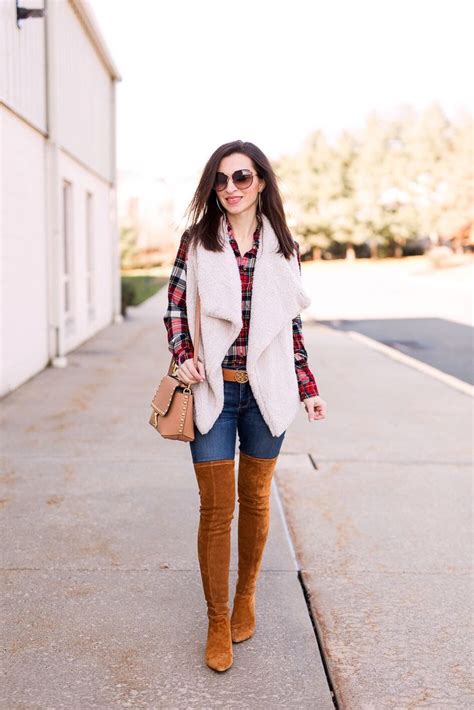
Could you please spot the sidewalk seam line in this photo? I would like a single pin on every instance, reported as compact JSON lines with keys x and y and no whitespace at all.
{"x":285,"y":526}
{"x":305,"y":593}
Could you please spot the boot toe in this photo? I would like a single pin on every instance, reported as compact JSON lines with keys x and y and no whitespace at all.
{"x":242,"y":621}
{"x":220,"y":661}
{"x":219,"y":654}
{"x":240,"y":633}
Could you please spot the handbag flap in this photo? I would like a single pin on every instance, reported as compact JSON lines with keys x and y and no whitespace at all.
{"x":164,"y":394}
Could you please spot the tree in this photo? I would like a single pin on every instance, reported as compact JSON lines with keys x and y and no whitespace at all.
{"x":406,"y":175}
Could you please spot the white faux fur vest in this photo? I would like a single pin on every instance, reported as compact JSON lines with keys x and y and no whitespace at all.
{"x":277,"y":298}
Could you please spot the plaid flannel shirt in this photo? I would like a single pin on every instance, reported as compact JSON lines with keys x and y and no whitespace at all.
{"x":176,"y":322}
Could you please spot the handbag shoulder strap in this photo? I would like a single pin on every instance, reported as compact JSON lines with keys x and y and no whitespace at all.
{"x":197,"y":329}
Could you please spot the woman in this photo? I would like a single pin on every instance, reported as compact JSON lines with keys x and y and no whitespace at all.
{"x":251,"y":373}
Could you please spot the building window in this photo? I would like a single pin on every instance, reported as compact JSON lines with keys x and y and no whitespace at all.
{"x":67,"y":253}
{"x":90,"y":289}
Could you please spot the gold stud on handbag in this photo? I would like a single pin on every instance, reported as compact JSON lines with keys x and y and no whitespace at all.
{"x":172,"y":404}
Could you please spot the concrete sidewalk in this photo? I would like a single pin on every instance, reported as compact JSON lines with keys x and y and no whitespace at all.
{"x":102,"y":598}
{"x":380,"y":508}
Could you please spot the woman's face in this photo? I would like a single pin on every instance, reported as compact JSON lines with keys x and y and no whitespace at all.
{"x":233,"y":199}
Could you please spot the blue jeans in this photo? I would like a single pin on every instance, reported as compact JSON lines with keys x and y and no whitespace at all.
{"x":241,"y":414}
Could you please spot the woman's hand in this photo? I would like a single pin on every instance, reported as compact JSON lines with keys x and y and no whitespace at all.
{"x":189,"y":374}
{"x":316,"y":407}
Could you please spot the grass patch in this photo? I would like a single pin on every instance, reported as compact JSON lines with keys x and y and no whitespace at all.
{"x":137,"y":288}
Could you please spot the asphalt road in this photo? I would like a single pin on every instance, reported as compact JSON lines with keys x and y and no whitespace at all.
{"x":407,"y":304}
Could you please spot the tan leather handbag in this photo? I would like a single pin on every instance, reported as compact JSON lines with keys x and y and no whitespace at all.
{"x":172,"y":403}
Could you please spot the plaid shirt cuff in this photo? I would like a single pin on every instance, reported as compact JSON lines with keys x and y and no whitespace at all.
{"x":184,"y":351}
{"x":306,"y":383}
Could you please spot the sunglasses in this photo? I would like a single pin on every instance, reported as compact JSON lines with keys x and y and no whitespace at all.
{"x":242,"y":179}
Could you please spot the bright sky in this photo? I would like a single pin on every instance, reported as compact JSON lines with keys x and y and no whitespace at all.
{"x":198,"y":73}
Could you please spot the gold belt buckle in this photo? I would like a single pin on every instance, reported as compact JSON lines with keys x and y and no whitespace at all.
{"x":241,"y":376}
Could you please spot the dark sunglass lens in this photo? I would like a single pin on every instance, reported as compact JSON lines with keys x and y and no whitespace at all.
{"x":242,"y":178}
{"x":221,"y":181}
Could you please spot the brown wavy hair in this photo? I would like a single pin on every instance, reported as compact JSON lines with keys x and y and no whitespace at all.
{"x":204,"y":214}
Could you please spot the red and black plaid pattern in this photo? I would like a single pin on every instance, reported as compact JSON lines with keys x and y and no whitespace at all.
{"x":176,"y":322}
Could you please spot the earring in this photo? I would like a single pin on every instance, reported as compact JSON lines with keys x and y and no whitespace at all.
{"x":260,"y":201}
{"x":219,"y":205}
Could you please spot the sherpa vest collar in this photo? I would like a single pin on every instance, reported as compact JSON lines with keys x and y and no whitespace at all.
{"x":277,"y":298}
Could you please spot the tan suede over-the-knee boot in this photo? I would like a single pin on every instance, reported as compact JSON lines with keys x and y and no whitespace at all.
{"x":216,"y":481}
{"x":254,"y":488}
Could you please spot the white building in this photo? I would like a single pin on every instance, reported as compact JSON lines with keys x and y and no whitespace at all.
{"x":59,"y":242}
